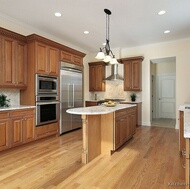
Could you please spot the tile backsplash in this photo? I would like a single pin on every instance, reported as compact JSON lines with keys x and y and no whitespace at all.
{"x":13,"y":95}
{"x":115,"y":89}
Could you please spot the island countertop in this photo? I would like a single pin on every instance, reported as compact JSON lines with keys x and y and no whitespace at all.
{"x":98,"y":110}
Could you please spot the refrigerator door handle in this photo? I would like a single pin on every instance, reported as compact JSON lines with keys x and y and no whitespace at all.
{"x":69,"y":97}
{"x":73,"y":95}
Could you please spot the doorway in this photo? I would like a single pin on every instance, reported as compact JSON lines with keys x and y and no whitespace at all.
{"x":163,"y":89}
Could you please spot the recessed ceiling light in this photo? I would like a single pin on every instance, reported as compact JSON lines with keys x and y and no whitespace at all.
{"x":161,"y":12}
{"x":167,"y":31}
{"x":86,"y":32}
{"x":58,"y":14}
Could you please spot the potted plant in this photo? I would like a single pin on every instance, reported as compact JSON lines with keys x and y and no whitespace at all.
{"x":4,"y":102}
{"x":133,"y":97}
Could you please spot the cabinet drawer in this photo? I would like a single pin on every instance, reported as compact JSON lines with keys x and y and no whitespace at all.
{"x":130,"y":110}
{"x":120,"y":113}
{"x":4,"y":114}
{"x":22,"y":112}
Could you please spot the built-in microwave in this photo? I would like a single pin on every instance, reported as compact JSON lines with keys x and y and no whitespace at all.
{"x":46,"y":85}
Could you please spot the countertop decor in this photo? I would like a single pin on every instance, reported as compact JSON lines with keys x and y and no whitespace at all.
{"x":4,"y":102}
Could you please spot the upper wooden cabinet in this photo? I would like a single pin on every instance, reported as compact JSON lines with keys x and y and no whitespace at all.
{"x":97,"y":76}
{"x":71,"y":58}
{"x":132,"y":73}
{"x":47,"y":59}
{"x":13,"y":62}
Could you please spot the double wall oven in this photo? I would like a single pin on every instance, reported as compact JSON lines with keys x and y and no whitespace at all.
{"x":47,"y":102}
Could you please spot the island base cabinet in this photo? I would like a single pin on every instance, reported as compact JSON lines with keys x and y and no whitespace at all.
{"x":105,"y":133}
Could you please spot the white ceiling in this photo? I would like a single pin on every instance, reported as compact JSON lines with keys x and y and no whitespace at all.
{"x":132,"y":22}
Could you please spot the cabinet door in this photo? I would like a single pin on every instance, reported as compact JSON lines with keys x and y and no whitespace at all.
{"x":8,"y":60}
{"x":29,"y":128}
{"x":41,"y":58}
{"x":127,"y":76}
{"x":4,"y":134}
{"x":20,"y":66}
{"x":77,"y":60}
{"x":53,"y":57}
{"x":17,"y":131}
{"x":117,"y":134}
{"x":92,"y":78}
{"x":96,"y":77}
{"x":66,"y":57}
{"x":136,"y":75}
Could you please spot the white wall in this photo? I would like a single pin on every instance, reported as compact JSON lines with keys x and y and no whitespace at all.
{"x":179,"y":49}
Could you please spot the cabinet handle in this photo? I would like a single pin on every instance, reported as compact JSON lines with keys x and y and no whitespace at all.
{"x":183,"y":165}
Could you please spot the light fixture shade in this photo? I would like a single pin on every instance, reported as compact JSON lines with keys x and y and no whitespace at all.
{"x":114,"y":61}
{"x":107,"y":58}
{"x":100,"y":55}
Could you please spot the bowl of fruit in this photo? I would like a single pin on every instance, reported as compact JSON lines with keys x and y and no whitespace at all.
{"x":110,"y":103}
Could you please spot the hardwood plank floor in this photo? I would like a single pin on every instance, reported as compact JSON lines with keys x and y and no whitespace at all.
{"x":150,"y":160}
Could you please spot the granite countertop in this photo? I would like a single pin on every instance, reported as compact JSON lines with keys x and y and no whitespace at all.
{"x":97,"y":110}
{"x":17,"y":107}
{"x":128,"y":101}
{"x":187,"y":123}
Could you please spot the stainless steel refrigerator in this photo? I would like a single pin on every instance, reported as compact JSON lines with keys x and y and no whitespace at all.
{"x":71,"y":96}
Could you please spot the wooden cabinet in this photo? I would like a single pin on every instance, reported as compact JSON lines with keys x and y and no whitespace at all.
{"x":125,"y":124}
{"x":91,"y":103}
{"x":138,"y":111}
{"x":47,"y":130}
{"x":187,"y":163}
{"x":132,"y":73}
{"x":71,"y":58}
{"x":4,"y":130}
{"x":13,"y":60}
{"x":22,"y":126}
{"x":182,"y":143}
{"x":47,"y":59}
{"x":97,"y":76}
{"x":16,"y":127}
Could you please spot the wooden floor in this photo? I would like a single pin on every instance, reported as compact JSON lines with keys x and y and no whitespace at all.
{"x":150,"y":160}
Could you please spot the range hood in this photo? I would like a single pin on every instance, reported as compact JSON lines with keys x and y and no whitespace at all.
{"x":114,"y":73}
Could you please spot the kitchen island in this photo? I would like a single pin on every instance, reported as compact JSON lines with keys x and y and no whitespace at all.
{"x":105,"y":129}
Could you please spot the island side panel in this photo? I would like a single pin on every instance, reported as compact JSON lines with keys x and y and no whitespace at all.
{"x":107,"y":133}
{"x":91,"y":137}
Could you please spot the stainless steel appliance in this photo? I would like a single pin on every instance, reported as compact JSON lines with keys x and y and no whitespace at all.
{"x":47,"y":109}
{"x":46,"y":84}
{"x":71,"y":96}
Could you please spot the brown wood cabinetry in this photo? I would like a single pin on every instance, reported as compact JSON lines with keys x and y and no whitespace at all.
{"x":47,"y":130}
{"x":125,"y":124}
{"x":97,"y":76}
{"x":16,"y":127}
{"x":182,"y":143}
{"x":13,"y":63}
{"x":4,"y":130}
{"x":47,"y":59}
{"x":132,"y":73}
{"x":138,"y":111}
{"x":91,"y":103}
{"x":22,"y":126}
{"x":71,"y":58}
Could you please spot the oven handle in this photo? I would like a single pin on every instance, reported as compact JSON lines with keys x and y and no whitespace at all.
{"x":44,"y":103}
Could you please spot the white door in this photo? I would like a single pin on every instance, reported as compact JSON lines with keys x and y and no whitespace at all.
{"x":166,"y":96}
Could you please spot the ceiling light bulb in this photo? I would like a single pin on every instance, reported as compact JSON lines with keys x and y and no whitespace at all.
{"x":167,"y":31}
{"x":86,"y":32}
{"x":162,"y":12}
{"x":100,"y":55}
{"x":107,"y":58}
{"x":58,"y":14}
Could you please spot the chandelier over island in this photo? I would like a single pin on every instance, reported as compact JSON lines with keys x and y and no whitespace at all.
{"x":106,"y":53}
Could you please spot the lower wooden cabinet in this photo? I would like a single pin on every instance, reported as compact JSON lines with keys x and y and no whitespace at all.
{"x":47,"y":130}
{"x":16,"y":127}
{"x":125,"y":125}
{"x":4,"y":133}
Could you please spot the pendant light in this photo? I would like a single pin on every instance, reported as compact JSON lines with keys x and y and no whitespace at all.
{"x":106,"y":53}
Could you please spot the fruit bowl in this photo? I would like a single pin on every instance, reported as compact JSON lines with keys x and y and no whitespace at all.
{"x":109,"y":104}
